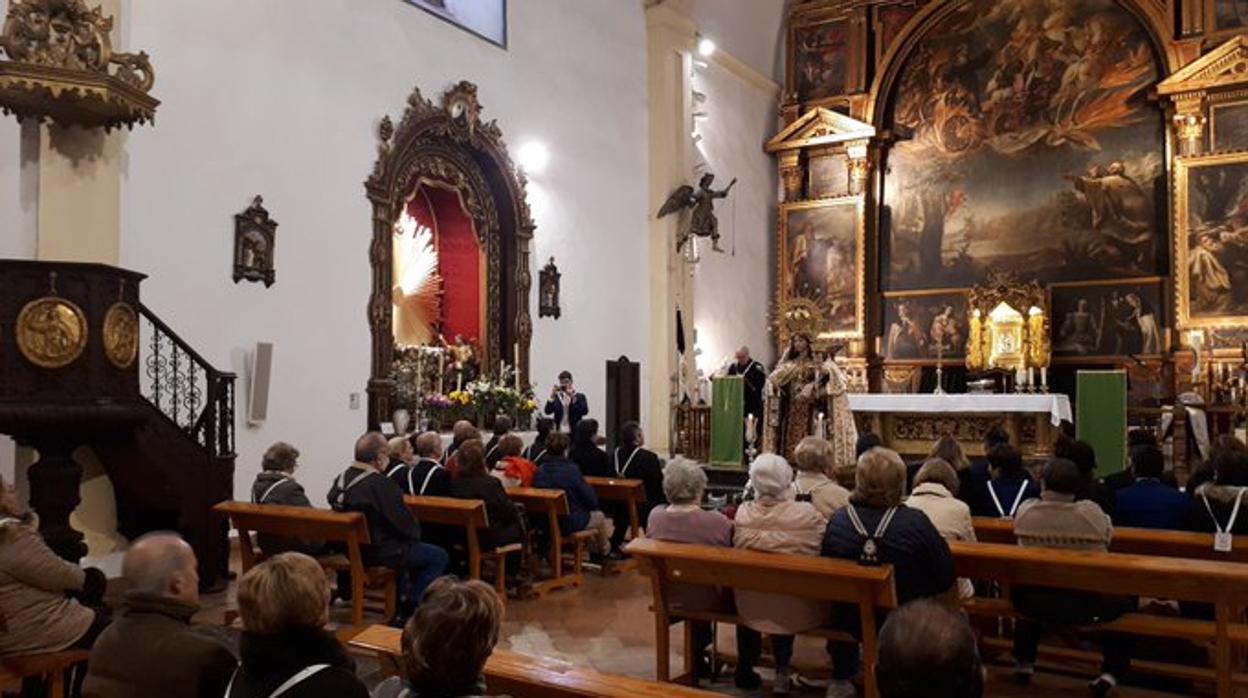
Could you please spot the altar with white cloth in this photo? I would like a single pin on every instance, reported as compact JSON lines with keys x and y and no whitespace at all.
{"x":910,"y":423}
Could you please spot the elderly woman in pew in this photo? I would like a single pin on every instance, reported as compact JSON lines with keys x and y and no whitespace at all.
{"x":774,"y":522}
{"x":877,"y":529}
{"x":284,"y":648}
{"x":1056,"y":520}
{"x":684,"y":520}
{"x":276,"y":484}
{"x":45,"y":602}
{"x":935,"y":493}
{"x":632,"y":460}
{"x":473,"y":481}
{"x":447,"y":642}
{"x":813,"y":459}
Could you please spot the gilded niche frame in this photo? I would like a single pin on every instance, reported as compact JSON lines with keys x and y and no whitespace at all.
{"x":449,"y":143}
{"x":821,"y":223}
{"x":1209,"y":242}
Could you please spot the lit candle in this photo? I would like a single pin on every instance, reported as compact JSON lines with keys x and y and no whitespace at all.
{"x":1031,"y":376}
{"x":515,"y":363}
{"x":1044,"y":376}
{"x":459,"y":382}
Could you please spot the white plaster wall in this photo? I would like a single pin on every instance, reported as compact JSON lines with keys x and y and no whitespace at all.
{"x":281,"y":98}
{"x":733,"y":292}
{"x":751,"y":30}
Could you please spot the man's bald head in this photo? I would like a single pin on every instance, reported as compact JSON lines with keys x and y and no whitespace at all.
{"x":927,"y":649}
{"x":161,"y":564}
{"x":370,"y":448}
{"x":743,"y":355}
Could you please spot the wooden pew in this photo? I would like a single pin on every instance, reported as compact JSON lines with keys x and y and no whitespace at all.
{"x":806,"y":577}
{"x":552,"y":504}
{"x":1225,"y":585}
{"x":525,"y":676}
{"x":52,"y":665}
{"x":1134,"y":541}
{"x":348,"y":528}
{"x":629,"y":491}
{"x":468,"y":515}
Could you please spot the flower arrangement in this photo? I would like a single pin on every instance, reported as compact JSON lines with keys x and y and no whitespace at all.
{"x":479,"y":401}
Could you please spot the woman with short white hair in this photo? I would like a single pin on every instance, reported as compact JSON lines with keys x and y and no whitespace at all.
{"x":683,"y":520}
{"x":774,"y":522}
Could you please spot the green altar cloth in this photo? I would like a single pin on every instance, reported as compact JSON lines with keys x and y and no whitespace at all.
{"x":1101,"y":416}
{"x":727,"y":421}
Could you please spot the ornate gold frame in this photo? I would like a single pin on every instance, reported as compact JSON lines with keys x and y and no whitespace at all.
{"x":784,"y":294}
{"x":816,"y":13}
{"x":1182,"y":280}
{"x":450,"y":143}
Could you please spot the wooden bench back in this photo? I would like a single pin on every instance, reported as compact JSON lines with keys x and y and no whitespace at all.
{"x":540,"y":501}
{"x":448,"y":511}
{"x":525,"y":676}
{"x":1108,"y":573}
{"x":1134,"y":541}
{"x":618,"y":488}
{"x":807,"y":577}
{"x":296,"y":522}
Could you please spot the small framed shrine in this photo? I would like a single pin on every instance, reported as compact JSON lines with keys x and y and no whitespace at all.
{"x":255,"y":235}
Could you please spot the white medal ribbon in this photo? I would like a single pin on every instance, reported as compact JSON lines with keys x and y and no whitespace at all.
{"x":1022,"y":489}
{"x":265,"y":496}
{"x":618,"y":471}
{"x":1223,"y":540}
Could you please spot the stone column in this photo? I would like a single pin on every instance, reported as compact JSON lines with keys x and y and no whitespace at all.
{"x":670,"y":38}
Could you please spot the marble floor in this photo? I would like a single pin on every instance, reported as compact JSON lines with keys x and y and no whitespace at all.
{"x":606,"y":624}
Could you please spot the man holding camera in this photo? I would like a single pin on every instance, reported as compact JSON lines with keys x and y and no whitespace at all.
{"x":566,"y":406}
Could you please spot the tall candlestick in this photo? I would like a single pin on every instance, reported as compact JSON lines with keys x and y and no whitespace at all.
{"x":515,"y":363}
{"x":459,"y":382}
{"x":441,"y":372}
{"x":1031,"y":376}
{"x":1044,"y":377}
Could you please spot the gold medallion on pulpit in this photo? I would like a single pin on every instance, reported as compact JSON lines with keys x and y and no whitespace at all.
{"x":121,"y":335}
{"x":51,"y":332}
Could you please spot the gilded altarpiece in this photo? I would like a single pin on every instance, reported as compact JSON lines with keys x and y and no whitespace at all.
{"x":1094,"y":148}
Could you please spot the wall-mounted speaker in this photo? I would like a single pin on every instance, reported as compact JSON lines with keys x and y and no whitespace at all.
{"x":258,"y":389}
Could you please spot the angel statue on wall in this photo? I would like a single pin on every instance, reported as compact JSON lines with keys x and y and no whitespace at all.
{"x":702,"y":221}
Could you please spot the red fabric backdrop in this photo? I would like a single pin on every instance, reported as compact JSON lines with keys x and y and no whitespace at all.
{"x":459,"y":260}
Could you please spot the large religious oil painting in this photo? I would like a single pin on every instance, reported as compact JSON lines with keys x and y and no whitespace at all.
{"x":821,"y":252}
{"x":925,"y":326}
{"x":1107,"y":319}
{"x":1211,"y":240}
{"x":1026,"y":144}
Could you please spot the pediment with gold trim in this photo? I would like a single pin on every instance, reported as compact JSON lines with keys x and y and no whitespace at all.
{"x":817,"y":127}
{"x":1224,"y":67}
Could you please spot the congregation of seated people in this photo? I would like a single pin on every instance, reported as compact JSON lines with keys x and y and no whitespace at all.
{"x":891,"y":513}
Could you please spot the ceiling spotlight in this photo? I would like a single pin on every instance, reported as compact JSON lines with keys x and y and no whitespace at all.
{"x":533,"y":157}
{"x":705,"y":47}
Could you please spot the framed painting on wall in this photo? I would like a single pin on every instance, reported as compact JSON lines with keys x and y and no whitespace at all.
{"x":1211,"y":240}
{"x":821,"y":258}
{"x":828,"y":176}
{"x":824,"y":46}
{"x":1228,"y":126}
{"x":1227,"y":15}
{"x":1107,"y":319}
{"x":924,"y":326}
{"x":485,"y":18}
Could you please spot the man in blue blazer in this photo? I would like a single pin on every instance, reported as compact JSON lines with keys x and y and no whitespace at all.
{"x":566,"y":406}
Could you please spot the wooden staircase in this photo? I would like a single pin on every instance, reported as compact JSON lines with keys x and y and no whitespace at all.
{"x":163,"y":425}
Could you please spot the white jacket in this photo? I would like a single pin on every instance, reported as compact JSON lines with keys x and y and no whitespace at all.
{"x":951,"y":517}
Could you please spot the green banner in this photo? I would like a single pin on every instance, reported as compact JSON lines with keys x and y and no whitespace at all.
{"x":1101,"y":417}
{"x":727,"y":422}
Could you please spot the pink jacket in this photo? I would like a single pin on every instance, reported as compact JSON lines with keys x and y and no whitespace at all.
{"x":794,"y":528}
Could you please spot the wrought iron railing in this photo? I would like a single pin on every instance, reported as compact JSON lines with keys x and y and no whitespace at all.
{"x":184,"y":387}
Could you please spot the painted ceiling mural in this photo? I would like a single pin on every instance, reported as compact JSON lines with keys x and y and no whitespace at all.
{"x":1025,"y":143}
